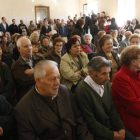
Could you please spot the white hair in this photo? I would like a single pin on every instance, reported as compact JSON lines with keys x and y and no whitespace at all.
{"x":20,"y":40}
{"x":87,"y":35}
{"x":33,"y":35}
{"x":127,"y":33}
{"x":41,"y":67}
{"x":137,"y":31}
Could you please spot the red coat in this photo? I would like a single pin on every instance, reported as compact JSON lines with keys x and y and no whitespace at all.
{"x":126,"y":96}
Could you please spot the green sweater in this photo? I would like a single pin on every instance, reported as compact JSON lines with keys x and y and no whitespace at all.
{"x":99,"y":112}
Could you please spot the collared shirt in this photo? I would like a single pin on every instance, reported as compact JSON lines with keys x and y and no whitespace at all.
{"x":53,"y":97}
{"x":98,"y":88}
{"x":28,"y":61}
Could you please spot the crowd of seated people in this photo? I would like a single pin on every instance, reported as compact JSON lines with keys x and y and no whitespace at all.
{"x":41,"y":63}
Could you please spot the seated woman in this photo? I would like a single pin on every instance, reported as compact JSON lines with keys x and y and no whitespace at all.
{"x":13,"y":44}
{"x":87,"y":41}
{"x":73,"y":66}
{"x":126,"y":89}
{"x":57,"y":52}
{"x":34,"y":37}
{"x":5,"y":57}
{"x":106,"y":51}
{"x":100,"y":35}
{"x":114,"y":35}
{"x":134,"y":39}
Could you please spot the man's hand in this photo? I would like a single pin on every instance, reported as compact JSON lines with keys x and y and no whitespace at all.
{"x":29,"y":71}
{"x":117,"y":136}
{"x":1,"y":131}
{"x":122,"y":133}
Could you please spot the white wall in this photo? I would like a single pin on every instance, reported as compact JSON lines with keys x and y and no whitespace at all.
{"x":24,"y":9}
{"x":110,"y":7}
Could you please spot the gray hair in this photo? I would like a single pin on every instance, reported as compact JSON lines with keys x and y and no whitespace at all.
{"x":87,"y":35}
{"x":96,"y":63}
{"x":137,"y":31}
{"x":33,"y":35}
{"x":41,"y":66}
{"x":20,"y":40}
{"x":127,"y":34}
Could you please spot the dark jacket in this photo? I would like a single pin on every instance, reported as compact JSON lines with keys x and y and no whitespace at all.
{"x":61,"y":32}
{"x":78,"y":31}
{"x":23,"y":81}
{"x":115,"y":56}
{"x":54,"y":57}
{"x":7,"y":59}
{"x":7,"y":119}
{"x":3,"y":29}
{"x":13,"y":29}
{"x":22,"y":26}
{"x":44,"y":30}
{"x":6,"y":82}
{"x":113,"y":26}
{"x":16,"y":53}
{"x":37,"y":121}
{"x":99,"y":112}
{"x":94,"y":30}
{"x":87,"y":22}
{"x":136,"y":27}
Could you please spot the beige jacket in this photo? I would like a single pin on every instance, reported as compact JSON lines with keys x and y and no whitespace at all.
{"x":68,"y":68}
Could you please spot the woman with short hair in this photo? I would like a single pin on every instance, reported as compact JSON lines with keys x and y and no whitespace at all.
{"x":57,"y":51}
{"x":134,"y":39}
{"x":73,"y":66}
{"x":106,"y":44}
{"x":126,"y":89}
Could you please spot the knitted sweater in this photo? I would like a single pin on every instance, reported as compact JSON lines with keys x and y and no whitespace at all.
{"x":99,"y":112}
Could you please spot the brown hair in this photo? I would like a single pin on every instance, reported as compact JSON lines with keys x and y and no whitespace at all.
{"x":103,"y":40}
{"x":58,"y":39}
{"x":100,"y":33}
{"x":134,"y":36}
{"x":128,"y":54}
{"x":71,"y":41}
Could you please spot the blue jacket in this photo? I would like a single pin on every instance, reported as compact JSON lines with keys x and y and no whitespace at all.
{"x":60,"y":31}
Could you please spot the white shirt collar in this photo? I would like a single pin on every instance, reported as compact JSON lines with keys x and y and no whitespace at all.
{"x":53,"y":97}
{"x":98,"y":88}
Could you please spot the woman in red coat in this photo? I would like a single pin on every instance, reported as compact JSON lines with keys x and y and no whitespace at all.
{"x":126,"y":89}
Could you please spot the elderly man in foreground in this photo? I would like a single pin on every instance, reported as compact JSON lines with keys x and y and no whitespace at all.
{"x":94,"y":99}
{"x":48,"y":111}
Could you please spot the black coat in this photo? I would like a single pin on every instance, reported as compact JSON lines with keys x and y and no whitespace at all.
{"x":7,"y":119}
{"x":13,"y":29}
{"x":44,"y":30}
{"x":36,"y":120}
{"x":94,"y":30}
{"x":3,"y":29}
{"x":113,"y":26}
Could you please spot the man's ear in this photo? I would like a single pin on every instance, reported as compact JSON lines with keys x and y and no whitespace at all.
{"x":92,"y":73}
{"x":37,"y":80}
{"x":18,"y":49}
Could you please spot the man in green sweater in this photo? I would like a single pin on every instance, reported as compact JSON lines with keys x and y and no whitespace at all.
{"x":93,"y":97}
